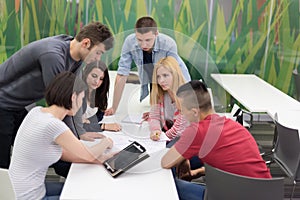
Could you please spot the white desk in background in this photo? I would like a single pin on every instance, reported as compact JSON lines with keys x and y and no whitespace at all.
{"x":286,"y":117}
{"x":255,"y":94}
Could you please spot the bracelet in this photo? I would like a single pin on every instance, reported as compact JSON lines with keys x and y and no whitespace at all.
{"x":103,"y":126}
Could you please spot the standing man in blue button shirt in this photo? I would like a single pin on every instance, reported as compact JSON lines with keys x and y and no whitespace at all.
{"x":145,"y":47}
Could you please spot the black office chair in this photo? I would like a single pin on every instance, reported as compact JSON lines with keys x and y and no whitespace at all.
{"x":268,"y":155}
{"x":224,"y":185}
{"x":286,"y":152}
{"x":296,"y":77}
{"x":239,"y":114}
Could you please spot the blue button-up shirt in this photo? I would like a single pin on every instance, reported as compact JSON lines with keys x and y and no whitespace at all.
{"x":131,"y":51}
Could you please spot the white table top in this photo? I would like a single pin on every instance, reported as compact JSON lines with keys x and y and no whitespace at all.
{"x":146,"y":181}
{"x":255,"y":94}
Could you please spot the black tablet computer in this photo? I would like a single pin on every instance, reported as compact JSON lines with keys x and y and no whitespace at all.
{"x":125,"y":159}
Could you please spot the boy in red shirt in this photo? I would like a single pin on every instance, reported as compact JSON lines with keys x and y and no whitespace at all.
{"x":218,"y":141}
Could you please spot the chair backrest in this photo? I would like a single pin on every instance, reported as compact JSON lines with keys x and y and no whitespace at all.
{"x":296,"y":77}
{"x":225,"y":185}
{"x":287,"y":150}
{"x":237,"y":114}
{"x":6,"y":188}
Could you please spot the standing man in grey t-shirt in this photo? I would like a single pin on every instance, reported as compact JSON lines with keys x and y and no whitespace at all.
{"x":24,"y":76}
{"x":145,"y":47}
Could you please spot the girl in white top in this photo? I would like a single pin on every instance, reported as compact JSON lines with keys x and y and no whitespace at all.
{"x":43,"y":139}
{"x":96,"y":76}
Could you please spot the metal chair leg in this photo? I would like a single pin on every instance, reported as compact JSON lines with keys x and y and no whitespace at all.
{"x":293,"y":190}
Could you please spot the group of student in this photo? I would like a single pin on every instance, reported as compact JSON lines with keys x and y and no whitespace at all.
{"x":50,"y":136}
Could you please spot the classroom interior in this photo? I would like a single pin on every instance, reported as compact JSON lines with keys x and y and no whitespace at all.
{"x":213,"y":37}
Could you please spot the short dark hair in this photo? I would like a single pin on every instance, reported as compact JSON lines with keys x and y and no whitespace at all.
{"x":61,"y":88}
{"x":145,"y":24}
{"x":99,"y":97}
{"x":97,"y":33}
{"x":195,"y":95}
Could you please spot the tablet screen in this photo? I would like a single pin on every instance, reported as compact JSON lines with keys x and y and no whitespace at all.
{"x":125,"y":157}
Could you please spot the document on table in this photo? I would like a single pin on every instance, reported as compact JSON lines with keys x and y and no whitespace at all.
{"x":152,"y":146}
{"x":133,"y":118}
{"x":164,"y":137}
{"x":140,"y":131}
{"x":132,"y":131}
{"x":122,"y":140}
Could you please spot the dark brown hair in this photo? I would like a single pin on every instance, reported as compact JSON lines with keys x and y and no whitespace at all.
{"x":97,"y":33}
{"x":145,"y":24}
{"x":61,"y":88}
{"x":99,"y":97}
{"x":195,"y":95}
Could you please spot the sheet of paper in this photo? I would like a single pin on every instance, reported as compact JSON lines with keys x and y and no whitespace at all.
{"x":119,"y":138}
{"x":133,"y":118}
{"x":122,"y":140}
{"x":164,"y":137}
{"x":152,"y":146}
{"x":136,"y":130}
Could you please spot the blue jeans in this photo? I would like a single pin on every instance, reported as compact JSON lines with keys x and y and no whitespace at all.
{"x":189,"y":191}
{"x":53,"y":190}
{"x":195,"y":162}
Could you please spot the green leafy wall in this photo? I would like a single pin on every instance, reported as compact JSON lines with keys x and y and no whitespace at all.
{"x":229,"y":36}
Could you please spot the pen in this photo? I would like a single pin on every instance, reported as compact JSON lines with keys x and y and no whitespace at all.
{"x":141,"y":123}
{"x":157,"y":134}
{"x":143,"y":120}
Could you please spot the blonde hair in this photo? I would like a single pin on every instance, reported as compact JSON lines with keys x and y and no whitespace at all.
{"x":171,"y":64}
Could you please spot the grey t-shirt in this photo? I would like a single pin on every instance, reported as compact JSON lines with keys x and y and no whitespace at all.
{"x":24,"y":76}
